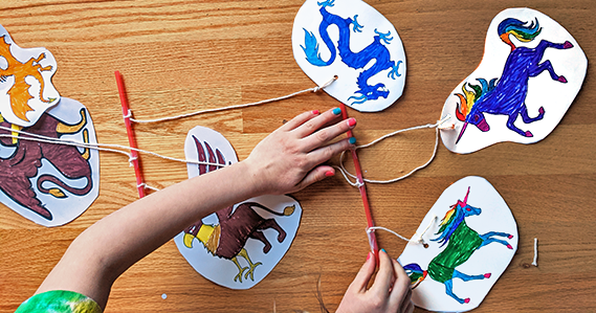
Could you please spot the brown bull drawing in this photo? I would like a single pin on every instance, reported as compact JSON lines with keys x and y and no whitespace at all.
{"x":24,"y":162}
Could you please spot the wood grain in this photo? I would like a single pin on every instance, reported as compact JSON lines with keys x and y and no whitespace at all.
{"x":182,"y":56}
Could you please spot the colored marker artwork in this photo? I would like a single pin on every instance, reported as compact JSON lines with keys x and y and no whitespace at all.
{"x":351,"y":40}
{"x":471,"y":242}
{"x":530,"y":73}
{"x":50,"y":184}
{"x":238,"y":246}
{"x":26,"y":89}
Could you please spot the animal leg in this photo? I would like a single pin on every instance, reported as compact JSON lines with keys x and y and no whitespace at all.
{"x":489,"y":240}
{"x":496,"y":233}
{"x":527,"y":119}
{"x":449,"y":291}
{"x":466,"y":277}
{"x":240,"y":268}
{"x":252,"y":266}
{"x":258,"y":235}
{"x":271,"y":223}
{"x":546,"y":66}
{"x":514,"y":128}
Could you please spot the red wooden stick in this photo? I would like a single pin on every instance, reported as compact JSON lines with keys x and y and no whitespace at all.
{"x":362,"y":189}
{"x":131,"y":135}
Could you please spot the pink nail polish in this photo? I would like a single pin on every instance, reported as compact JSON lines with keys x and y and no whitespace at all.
{"x":351,"y":122}
{"x":368,"y":256}
{"x":315,"y":112}
{"x":329,"y":173}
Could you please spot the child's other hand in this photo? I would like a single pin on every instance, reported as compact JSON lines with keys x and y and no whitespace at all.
{"x":390,"y":291}
{"x":290,"y":158}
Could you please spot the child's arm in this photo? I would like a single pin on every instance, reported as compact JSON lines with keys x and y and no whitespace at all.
{"x":285,"y":161}
{"x":390,"y":291}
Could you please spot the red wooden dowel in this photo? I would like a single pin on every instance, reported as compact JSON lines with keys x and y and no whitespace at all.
{"x":131,"y":136}
{"x":362,"y":189}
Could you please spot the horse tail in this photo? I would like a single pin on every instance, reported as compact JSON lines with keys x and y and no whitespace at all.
{"x":416,"y":274}
{"x":517,"y":28}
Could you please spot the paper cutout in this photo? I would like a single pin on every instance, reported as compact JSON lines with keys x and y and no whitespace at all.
{"x":26,"y":89}
{"x":530,"y":73}
{"x":50,"y":184}
{"x":352,"y":40}
{"x":238,"y":246}
{"x":469,"y":248}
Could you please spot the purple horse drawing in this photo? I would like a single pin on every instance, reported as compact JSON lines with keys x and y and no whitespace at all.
{"x":508,"y":95}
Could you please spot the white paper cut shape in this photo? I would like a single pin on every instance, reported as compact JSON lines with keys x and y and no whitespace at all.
{"x":26,"y":89}
{"x":50,"y":184}
{"x":352,"y":40}
{"x":470,"y":245}
{"x":530,"y":73}
{"x":238,"y":246}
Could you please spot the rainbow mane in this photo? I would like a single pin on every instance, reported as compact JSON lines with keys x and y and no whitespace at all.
{"x":450,"y":222}
{"x":518,"y":29}
{"x":469,"y":97}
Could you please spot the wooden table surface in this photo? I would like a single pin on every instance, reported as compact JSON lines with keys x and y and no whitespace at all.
{"x":182,"y":56}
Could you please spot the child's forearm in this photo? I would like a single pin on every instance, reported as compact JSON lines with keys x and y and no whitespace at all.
{"x":112,"y":245}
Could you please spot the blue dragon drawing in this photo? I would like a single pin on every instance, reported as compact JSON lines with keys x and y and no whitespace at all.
{"x":357,"y":60}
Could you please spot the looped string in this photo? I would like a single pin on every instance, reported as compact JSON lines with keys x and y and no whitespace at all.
{"x":128,"y":114}
{"x":440,"y":124}
{"x":132,"y":159}
{"x":143,"y":185}
{"x":238,"y":106}
{"x":416,"y":239}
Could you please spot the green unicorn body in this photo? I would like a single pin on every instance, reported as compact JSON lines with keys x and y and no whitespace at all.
{"x":462,"y":242}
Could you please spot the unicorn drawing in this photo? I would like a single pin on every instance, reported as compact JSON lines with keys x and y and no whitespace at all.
{"x":462,"y":242}
{"x":507,"y":96}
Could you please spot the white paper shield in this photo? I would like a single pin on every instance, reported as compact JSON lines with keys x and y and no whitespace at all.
{"x":239,"y":246}
{"x":51,"y":184}
{"x":521,"y":89}
{"x":353,"y":41}
{"x":482,"y":238}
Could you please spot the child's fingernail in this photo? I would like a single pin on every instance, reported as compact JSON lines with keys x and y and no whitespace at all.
{"x":368,"y":255}
{"x":336,"y":111}
{"x":329,"y":173}
{"x":315,"y":112}
{"x":352,"y":140}
{"x":351,"y":122}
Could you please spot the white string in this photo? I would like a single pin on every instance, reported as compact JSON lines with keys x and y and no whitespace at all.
{"x":128,"y":114}
{"x":163,"y":119}
{"x":147,"y":187}
{"x":417,"y":238}
{"x":535,"y":262}
{"x":440,"y":124}
{"x":97,"y":146}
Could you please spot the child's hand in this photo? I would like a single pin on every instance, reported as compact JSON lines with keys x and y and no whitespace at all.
{"x":390,"y":291}
{"x":290,"y":158}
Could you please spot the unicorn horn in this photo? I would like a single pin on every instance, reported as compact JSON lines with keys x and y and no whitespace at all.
{"x":461,"y":132}
{"x":466,"y":198}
